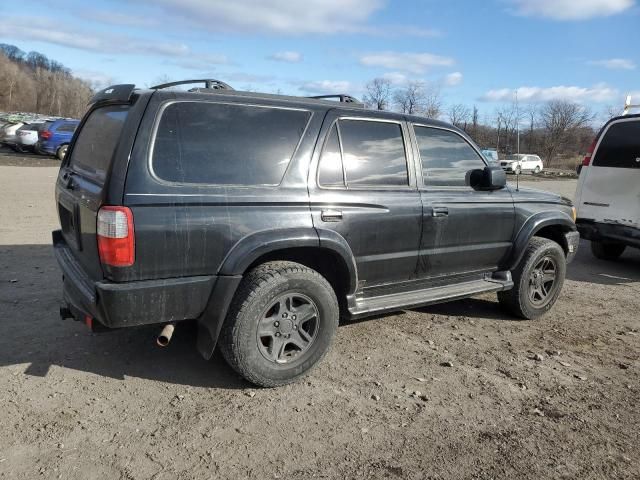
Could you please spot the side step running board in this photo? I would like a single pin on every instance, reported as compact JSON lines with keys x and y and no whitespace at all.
{"x":418,"y":298}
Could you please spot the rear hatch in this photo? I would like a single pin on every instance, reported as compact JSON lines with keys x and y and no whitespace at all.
{"x":609,"y":187}
{"x":83,"y":181}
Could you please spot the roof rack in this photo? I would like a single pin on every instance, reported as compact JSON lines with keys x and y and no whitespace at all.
{"x":342,"y":98}
{"x":209,"y":83}
{"x":629,"y":106}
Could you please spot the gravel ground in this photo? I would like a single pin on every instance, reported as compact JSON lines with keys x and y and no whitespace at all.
{"x":553,"y":398}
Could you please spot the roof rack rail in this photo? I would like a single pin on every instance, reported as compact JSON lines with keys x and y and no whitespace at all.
{"x":209,"y":83}
{"x":340,"y":96}
{"x":629,"y":106}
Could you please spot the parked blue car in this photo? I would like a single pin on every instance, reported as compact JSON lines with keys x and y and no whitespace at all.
{"x":55,"y":138}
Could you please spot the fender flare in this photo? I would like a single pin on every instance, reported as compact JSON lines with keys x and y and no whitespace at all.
{"x":250,"y":248}
{"x":534,"y":224}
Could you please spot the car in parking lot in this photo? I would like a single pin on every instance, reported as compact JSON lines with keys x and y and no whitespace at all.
{"x":54,"y":139}
{"x":266,"y":218}
{"x":8,"y":134}
{"x":27,"y":135}
{"x":519,"y":163}
{"x":608,"y":192}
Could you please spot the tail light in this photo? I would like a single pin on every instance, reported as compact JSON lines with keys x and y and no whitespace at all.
{"x":587,"y":158}
{"x":46,"y":135}
{"x":116,"y":239}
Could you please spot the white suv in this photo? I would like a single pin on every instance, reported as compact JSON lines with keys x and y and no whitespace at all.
{"x":608,"y":193}
{"x":522,"y":163}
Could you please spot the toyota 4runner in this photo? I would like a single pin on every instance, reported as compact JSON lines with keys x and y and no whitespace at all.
{"x":266,"y":218}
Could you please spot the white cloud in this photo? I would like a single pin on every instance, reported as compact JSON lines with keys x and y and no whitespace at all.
{"x":614,"y":64}
{"x":273,"y":16}
{"x":45,"y":30}
{"x":570,"y":9}
{"x":407,"y":62}
{"x":328,"y":87}
{"x":396,"y":78}
{"x":287,"y":57}
{"x":452,"y":79}
{"x":596,"y":94}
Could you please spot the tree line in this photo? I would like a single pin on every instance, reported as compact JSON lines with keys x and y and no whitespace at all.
{"x":558,"y":130}
{"x":31,"y":82}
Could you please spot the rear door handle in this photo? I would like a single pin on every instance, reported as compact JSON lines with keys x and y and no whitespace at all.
{"x":331,"y":215}
{"x":439,"y":211}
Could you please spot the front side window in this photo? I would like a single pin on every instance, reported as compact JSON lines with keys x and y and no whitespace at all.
{"x":373,"y":153}
{"x":446,"y":157}
{"x":620,"y":147}
{"x":226,"y":144}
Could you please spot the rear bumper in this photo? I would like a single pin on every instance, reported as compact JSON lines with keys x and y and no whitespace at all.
{"x":608,"y":232}
{"x":117,"y":305}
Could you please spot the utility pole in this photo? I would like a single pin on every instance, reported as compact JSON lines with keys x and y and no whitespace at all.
{"x":517,"y":125}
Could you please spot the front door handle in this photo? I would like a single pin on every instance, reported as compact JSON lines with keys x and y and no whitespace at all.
{"x":331,"y":215}
{"x":439,"y":212}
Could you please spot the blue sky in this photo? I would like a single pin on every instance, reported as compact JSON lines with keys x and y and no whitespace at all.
{"x":475,"y":52}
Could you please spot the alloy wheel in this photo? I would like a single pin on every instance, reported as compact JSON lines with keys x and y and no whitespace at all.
{"x":288,"y":328}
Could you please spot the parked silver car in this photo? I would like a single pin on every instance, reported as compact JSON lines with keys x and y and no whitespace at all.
{"x":8,"y":134}
{"x":27,"y":135}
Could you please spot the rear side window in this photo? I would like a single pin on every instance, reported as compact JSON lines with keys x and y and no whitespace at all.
{"x":373,"y":153}
{"x":226,"y":144}
{"x":94,"y":147}
{"x":620,"y":147}
{"x":67,"y":127}
{"x":446,"y":157}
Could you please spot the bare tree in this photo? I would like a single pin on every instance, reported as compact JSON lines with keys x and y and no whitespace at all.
{"x":433,"y":104}
{"x":474,"y":123}
{"x":561,"y":120}
{"x":411,"y":98}
{"x":33,"y":82}
{"x":459,"y":115}
{"x":378,"y":94}
{"x":611,"y":111}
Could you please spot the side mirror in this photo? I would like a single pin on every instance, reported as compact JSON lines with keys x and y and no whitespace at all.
{"x":489,"y":178}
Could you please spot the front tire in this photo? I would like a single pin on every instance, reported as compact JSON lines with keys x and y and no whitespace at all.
{"x":607,"y":250}
{"x":280,"y":324}
{"x":537,"y":279}
{"x":537,"y":170}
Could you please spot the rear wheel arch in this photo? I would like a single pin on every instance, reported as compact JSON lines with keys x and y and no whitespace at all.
{"x":319,"y":250}
{"x":327,"y":262}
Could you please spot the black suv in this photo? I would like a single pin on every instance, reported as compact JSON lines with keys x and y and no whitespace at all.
{"x":266,"y":218}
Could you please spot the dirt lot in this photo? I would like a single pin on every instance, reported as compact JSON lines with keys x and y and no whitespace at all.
{"x":79,"y":406}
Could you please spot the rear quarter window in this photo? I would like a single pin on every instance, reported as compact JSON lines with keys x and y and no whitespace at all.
{"x":226,"y":144}
{"x":620,"y":146}
{"x":97,"y":141}
{"x":67,"y":127}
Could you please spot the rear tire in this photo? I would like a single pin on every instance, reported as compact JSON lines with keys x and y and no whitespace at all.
{"x":61,"y":152}
{"x":537,"y":280}
{"x":537,"y":170}
{"x":607,"y":250}
{"x":280,"y":324}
